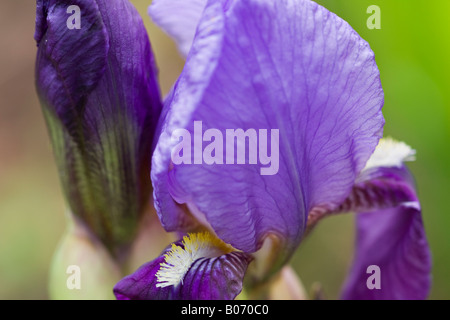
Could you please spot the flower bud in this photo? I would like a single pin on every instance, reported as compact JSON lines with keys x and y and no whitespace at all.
{"x":96,"y":80}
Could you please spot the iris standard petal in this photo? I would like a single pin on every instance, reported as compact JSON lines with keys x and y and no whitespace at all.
{"x":173,"y":216}
{"x":179,"y":19}
{"x":286,"y":65}
{"x":100,"y":97}
{"x":197,"y":268}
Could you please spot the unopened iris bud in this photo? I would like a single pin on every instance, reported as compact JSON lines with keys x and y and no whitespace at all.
{"x":96,"y":80}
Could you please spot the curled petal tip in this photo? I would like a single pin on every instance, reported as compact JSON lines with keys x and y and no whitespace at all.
{"x":179,"y":19}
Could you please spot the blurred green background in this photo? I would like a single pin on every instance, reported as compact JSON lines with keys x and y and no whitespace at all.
{"x":412,"y":51}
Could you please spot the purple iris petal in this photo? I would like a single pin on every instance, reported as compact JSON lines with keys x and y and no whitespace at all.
{"x":286,"y":65}
{"x":179,"y":18}
{"x":392,"y":239}
{"x":100,"y":97}
{"x":371,"y":193}
{"x":141,"y":285}
{"x":207,"y":278}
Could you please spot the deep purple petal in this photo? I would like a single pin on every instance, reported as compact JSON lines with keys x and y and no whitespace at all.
{"x":378,"y":189}
{"x":374,"y":190}
{"x":99,"y":94}
{"x":217,"y":278}
{"x":141,"y":285}
{"x":395,"y":241}
{"x":287,"y":65}
{"x":391,"y":238}
{"x":70,"y":62}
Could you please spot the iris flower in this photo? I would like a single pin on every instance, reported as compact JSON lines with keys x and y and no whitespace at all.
{"x":287,"y":65}
{"x":293,"y":66}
